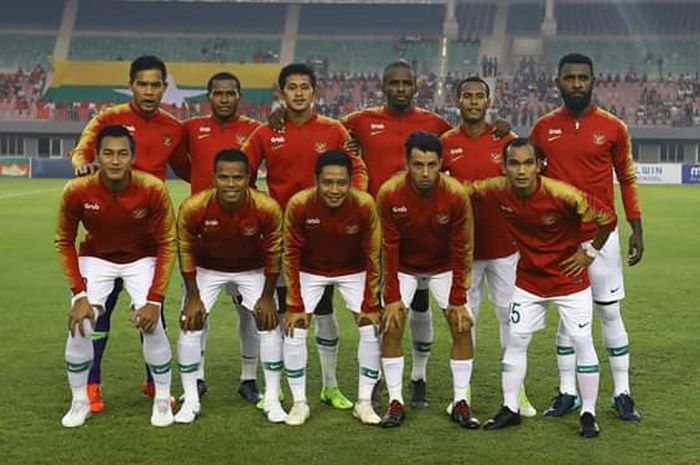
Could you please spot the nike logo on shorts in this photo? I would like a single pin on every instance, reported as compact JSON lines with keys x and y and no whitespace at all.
{"x":612,"y":291}
{"x":583,"y":325}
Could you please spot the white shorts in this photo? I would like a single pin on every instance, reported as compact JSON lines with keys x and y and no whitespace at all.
{"x":500,"y":275}
{"x":528,"y":312}
{"x":605,"y":272}
{"x":249,"y":284}
{"x":351,"y":287}
{"x":100,"y":274}
{"x":439,"y":285}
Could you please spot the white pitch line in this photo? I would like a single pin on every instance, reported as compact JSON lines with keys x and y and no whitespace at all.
{"x":22,"y":194}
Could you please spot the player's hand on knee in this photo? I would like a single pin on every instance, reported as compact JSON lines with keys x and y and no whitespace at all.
{"x":370,"y":318}
{"x":146,"y":317}
{"x":295,"y":320}
{"x":80,"y":310}
{"x":393,"y":316}
{"x":460,"y":317}
{"x":193,"y":314}
{"x":266,"y":313}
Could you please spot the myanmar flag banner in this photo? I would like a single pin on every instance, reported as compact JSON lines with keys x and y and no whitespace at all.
{"x":107,"y":81}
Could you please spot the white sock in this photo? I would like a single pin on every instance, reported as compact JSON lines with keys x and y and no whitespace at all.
{"x":393,"y":373}
{"x":250,"y":343}
{"x":199,"y":374}
{"x":461,"y":377}
{"x":295,"y":356}
{"x":587,"y":373}
{"x":616,"y":342}
{"x":189,"y":358}
{"x":514,"y":369}
{"x":369,"y":360}
{"x":566,"y":361}
{"x":271,"y":358}
{"x":421,"y":324}
{"x":327,"y":344}
{"x":156,"y":353}
{"x":79,"y":354}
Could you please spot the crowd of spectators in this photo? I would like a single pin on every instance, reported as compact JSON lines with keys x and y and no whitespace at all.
{"x":520,"y":98}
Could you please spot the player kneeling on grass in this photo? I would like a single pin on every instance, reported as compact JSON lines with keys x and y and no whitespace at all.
{"x":427,"y":235}
{"x":544,"y":217}
{"x":229,"y":235}
{"x":332,"y":237}
{"x":130,"y":235}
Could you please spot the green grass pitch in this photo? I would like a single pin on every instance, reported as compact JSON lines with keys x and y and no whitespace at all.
{"x":660,"y":311}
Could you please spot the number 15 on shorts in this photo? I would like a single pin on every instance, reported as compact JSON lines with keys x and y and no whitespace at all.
{"x":514,"y":313}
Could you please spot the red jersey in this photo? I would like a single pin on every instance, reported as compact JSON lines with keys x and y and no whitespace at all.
{"x":546,"y":227}
{"x":205,"y":136}
{"x":157,"y":138}
{"x":246,"y":239}
{"x":382,"y":135}
{"x":426,"y":234}
{"x":584,"y":152}
{"x":331,"y":242}
{"x":121,"y":227}
{"x":469,"y":159}
{"x":291,"y":155}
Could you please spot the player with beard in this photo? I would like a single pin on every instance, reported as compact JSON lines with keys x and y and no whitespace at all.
{"x":205,"y":136}
{"x":583,"y":146}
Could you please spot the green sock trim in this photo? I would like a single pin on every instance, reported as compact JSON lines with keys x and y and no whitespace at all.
{"x":78,"y":367}
{"x":160,"y":369}
{"x":587,"y":368}
{"x":273,"y":366}
{"x":422,"y":346}
{"x":369,"y":373}
{"x":191,"y":368}
{"x":561,"y":350}
{"x":327,"y":342}
{"x":99,"y":335}
{"x":618,"y":351}
{"x":295,"y":373}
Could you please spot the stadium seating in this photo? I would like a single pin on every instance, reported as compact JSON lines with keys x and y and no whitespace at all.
{"x":475,"y":20}
{"x":35,"y":14}
{"x":199,"y":17}
{"x":371,"y":19}
{"x":679,"y":55}
{"x":525,"y":18}
{"x":25,"y":49}
{"x":172,"y":48}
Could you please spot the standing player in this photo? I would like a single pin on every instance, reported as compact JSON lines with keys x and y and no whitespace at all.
{"x":427,"y":236}
{"x":205,"y":136}
{"x":473,"y":152}
{"x":584,"y":145}
{"x":290,"y":158}
{"x":332,"y":236}
{"x":544,"y":217}
{"x":130,"y":235}
{"x":208,"y":224}
{"x":157,"y":136}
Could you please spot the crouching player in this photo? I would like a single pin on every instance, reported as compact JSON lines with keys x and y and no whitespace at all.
{"x":427,"y":233}
{"x":130,"y":235}
{"x":229,"y":235}
{"x":332,"y":237}
{"x":544,"y":216}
